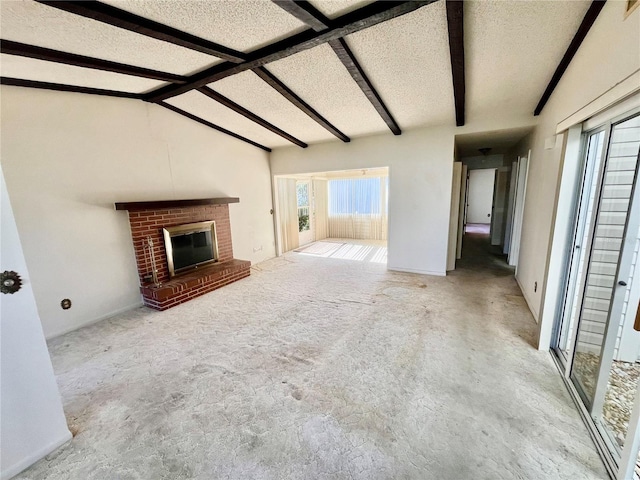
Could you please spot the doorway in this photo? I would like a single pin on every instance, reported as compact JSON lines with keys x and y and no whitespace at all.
{"x":480,"y":199}
{"x":316,"y":212}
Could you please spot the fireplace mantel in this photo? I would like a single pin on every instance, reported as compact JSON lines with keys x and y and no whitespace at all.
{"x":163,"y":204}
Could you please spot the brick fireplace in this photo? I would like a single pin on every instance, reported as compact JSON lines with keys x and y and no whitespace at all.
{"x":147,"y":219}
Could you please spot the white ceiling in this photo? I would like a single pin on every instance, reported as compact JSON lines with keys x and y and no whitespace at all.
{"x":198,"y":104}
{"x":29,"y":22}
{"x":499,"y":141}
{"x":323,"y":82}
{"x":511,"y":50}
{"x":248,"y":90}
{"x":407,"y":60}
{"x":39,"y":70}
{"x":242,"y":25}
{"x":335,"y":8}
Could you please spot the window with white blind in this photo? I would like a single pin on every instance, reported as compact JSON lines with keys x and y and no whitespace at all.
{"x":358,"y":208}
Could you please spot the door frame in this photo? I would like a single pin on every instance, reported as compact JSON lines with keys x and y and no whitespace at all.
{"x":518,"y":211}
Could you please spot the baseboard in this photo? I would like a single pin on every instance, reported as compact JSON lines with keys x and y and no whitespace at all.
{"x":94,"y":320}
{"x":413,"y":270}
{"x":526,"y":299}
{"x":16,"y":468}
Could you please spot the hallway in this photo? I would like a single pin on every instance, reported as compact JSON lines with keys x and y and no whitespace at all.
{"x":479,"y":255}
{"x":322,"y":368}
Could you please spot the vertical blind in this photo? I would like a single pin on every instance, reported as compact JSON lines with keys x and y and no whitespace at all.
{"x":358,"y":208}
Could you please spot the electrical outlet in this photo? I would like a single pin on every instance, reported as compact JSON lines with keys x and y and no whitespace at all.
{"x":535,"y":287}
{"x":257,"y":249}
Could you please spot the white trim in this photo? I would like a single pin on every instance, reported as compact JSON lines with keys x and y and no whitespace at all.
{"x":452,"y":247}
{"x":560,"y":243}
{"x":95,"y":320}
{"x":413,"y":270}
{"x":461,"y":211}
{"x":16,"y":468}
{"x":618,"y":92}
{"x":620,"y":109}
{"x":519,"y":208}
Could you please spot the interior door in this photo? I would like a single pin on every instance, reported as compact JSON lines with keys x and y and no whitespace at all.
{"x":500,"y":198}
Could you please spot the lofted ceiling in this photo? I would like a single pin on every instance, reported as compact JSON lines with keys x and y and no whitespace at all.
{"x":304,"y":86}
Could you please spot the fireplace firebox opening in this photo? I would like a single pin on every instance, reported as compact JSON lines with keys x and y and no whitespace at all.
{"x":190,"y":245}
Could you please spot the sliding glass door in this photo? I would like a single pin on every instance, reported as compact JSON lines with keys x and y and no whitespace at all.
{"x":594,"y":146}
{"x":305,"y":212}
{"x":599,"y":308}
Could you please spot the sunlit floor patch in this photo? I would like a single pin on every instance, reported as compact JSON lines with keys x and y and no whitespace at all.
{"x":374,"y":251}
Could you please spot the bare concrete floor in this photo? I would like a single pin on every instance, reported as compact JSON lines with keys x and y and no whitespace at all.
{"x":317,"y":368}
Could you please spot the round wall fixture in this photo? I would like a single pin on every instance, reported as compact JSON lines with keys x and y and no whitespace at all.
{"x":65,"y":304}
{"x":10,"y":282}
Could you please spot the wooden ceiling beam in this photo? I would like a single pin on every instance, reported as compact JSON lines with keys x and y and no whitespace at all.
{"x":347,"y":58}
{"x":212,"y":125}
{"x":19,"y":82}
{"x":590,"y":17}
{"x":227,"y":102}
{"x":305,"y":12}
{"x":122,"y":19}
{"x":349,"y":23}
{"x":455,"y":26}
{"x":290,"y":95}
{"x":31,"y":51}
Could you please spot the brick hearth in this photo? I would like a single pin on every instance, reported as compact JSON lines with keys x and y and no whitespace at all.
{"x":148,"y":223}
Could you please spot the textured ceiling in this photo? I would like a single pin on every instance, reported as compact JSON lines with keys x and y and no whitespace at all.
{"x":248,"y":90}
{"x":322,"y":81}
{"x":241,"y":25}
{"x":36,"y":24}
{"x":335,"y":8}
{"x":407,"y":61}
{"x":39,"y":70}
{"x":511,"y":51}
{"x":203,"y":107}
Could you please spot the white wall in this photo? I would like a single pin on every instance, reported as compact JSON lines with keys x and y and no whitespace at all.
{"x":420,"y":168}
{"x":480,"y":196}
{"x":68,"y":157}
{"x":33,"y":423}
{"x":609,"y":54}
